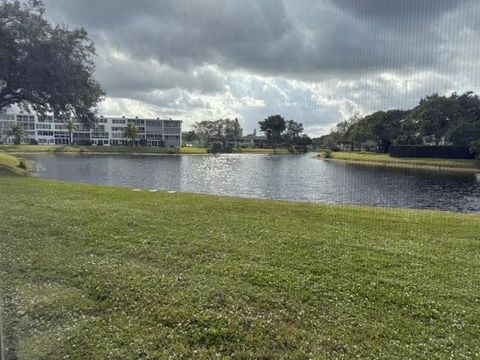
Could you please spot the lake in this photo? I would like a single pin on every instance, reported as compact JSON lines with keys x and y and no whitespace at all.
{"x":286,"y":177}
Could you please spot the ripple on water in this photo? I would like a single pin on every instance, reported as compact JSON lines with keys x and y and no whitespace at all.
{"x":300,"y":178}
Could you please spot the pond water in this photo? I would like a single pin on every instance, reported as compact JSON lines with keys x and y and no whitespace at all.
{"x":288,"y":177}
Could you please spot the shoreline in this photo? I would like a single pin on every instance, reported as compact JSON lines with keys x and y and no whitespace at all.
{"x":402,"y":165}
{"x":40,"y":149}
{"x":97,"y":153}
{"x":26,"y":153}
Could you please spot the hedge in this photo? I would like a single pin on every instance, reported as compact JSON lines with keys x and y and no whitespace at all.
{"x":422,"y":151}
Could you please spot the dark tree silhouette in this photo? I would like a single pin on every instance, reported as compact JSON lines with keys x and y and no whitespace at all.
{"x":45,"y":67}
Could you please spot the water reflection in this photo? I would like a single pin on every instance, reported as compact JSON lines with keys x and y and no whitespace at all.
{"x":268,"y":176}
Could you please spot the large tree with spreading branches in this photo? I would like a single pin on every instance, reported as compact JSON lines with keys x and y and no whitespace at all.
{"x":45,"y":67}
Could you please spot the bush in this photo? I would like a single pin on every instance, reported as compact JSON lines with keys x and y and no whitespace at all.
{"x":33,"y":142}
{"x":445,"y":152}
{"x":327,"y":153}
{"x":22,"y":163}
{"x":215,"y":148}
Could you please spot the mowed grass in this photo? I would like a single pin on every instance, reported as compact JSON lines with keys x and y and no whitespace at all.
{"x":385,"y":159}
{"x":11,"y":164}
{"x":280,"y":150}
{"x":91,"y":272}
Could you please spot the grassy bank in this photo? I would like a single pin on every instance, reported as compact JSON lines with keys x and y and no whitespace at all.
{"x":264,"y":151}
{"x":13,"y":165}
{"x":386,"y":160}
{"x":94,"y":272}
{"x":21,"y":149}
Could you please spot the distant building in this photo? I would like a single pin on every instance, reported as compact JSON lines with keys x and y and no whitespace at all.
{"x":107,"y":131}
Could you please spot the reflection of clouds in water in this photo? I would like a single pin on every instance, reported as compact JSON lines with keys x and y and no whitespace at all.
{"x":273,"y":176}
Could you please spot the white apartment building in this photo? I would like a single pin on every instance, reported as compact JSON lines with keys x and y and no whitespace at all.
{"x":107,"y":131}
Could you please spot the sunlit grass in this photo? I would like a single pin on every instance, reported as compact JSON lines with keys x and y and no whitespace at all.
{"x":385,"y":159}
{"x":12,"y":164}
{"x":91,"y":272}
{"x":264,"y":150}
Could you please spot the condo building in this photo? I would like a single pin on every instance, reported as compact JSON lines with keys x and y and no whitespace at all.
{"x":107,"y":131}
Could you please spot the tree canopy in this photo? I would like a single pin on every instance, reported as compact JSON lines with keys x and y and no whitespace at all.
{"x":221,"y":131}
{"x":45,"y":67}
{"x":451,"y":119}
{"x":273,"y":127}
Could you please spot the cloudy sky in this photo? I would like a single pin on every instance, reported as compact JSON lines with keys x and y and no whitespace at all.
{"x":314,"y":61}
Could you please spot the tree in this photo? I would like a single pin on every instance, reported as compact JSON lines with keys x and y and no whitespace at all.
{"x":131,"y":133}
{"x":221,"y":131}
{"x":18,"y":133}
{"x":465,"y":133}
{"x":71,"y":127}
{"x":229,"y":131}
{"x":409,"y":133}
{"x":435,"y":114}
{"x":466,"y":129}
{"x":189,"y":136}
{"x":343,"y":131}
{"x":292,"y":132}
{"x":273,"y":127}
{"x":207,"y":131}
{"x":359,"y":133}
{"x":45,"y":68}
{"x":301,"y":143}
{"x":384,"y":127}
{"x":328,"y":141}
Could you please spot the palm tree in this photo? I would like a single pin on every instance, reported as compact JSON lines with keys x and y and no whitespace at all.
{"x":131,"y":132}
{"x":18,"y":133}
{"x":71,"y":127}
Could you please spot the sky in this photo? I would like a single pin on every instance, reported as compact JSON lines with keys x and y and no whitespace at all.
{"x":313,"y":61}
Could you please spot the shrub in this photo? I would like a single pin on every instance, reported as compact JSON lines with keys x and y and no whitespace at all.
{"x":22,"y":163}
{"x":215,"y":148}
{"x":327,"y":153}
{"x":446,"y":152}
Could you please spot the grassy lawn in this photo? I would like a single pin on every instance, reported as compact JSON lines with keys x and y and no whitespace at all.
{"x":90,"y":272}
{"x":385,"y":159}
{"x":264,"y":151}
{"x":11,"y":164}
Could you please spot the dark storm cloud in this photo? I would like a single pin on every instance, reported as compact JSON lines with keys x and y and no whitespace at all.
{"x":398,"y":10}
{"x":315,"y":39}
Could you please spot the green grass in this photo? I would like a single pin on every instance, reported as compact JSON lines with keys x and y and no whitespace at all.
{"x":193,"y":150}
{"x":12,"y":164}
{"x":264,"y":151}
{"x":93,"y":272}
{"x":385,"y":159}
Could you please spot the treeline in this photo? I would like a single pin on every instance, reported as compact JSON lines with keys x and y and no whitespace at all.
{"x":219,"y":135}
{"x":280,"y":132}
{"x":46,"y":68}
{"x":452,"y":120}
{"x":224,"y":134}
